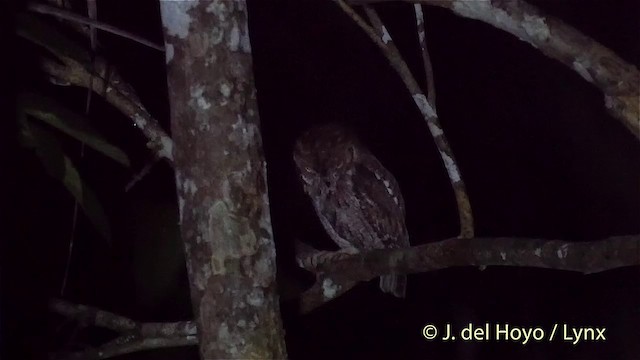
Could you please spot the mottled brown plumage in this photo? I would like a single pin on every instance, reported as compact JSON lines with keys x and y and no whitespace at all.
{"x":357,"y":200}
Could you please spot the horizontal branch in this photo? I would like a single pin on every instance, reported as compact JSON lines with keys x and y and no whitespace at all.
{"x":337,"y":272}
{"x":134,"y":336}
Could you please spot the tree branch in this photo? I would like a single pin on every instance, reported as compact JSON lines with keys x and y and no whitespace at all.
{"x":134,"y":336}
{"x":617,"y":79}
{"x":380,"y":36}
{"x":337,"y":272}
{"x":426,"y":59}
{"x":75,"y":66}
{"x":108,"y":84}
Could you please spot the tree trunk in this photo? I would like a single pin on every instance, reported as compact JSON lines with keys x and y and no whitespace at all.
{"x":221,"y":180}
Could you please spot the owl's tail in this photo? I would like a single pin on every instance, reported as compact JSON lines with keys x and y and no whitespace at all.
{"x":395,"y":285}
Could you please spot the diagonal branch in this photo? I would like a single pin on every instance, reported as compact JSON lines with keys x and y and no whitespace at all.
{"x":71,"y":16}
{"x":380,"y":36}
{"x":426,"y":59}
{"x":337,"y":274}
{"x":597,"y":64}
{"x":108,"y":84}
{"x":73,"y":65}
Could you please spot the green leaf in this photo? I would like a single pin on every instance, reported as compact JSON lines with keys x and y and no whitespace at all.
{"x":60,"y":167}
{"x":70,"y":123}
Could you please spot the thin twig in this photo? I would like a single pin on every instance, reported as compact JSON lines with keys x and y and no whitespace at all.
{"x":380,"y":36}
{"x":92,"y":11}
{"x":426,"y":58}
{"x":67,"y":15}
{"x":72,"y":236}
{"x":142,"y":173}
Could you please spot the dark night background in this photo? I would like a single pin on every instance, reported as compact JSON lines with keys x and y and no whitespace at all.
{"x":539,"y":155}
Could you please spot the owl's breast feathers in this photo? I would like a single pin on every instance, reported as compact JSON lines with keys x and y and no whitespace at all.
{"x":379,"y":197}
{"x":365,"y":208}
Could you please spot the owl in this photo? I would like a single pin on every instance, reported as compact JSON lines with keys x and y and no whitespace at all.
{"x":357,"y":200}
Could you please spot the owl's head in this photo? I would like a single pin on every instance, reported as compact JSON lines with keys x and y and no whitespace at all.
{"x":324,"y":152}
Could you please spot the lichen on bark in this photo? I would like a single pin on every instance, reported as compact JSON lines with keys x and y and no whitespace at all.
{"x":220,"y":180}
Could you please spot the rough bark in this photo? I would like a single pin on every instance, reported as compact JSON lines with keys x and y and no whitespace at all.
{"x":338,"y":272}
{"x":221,"y":180}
